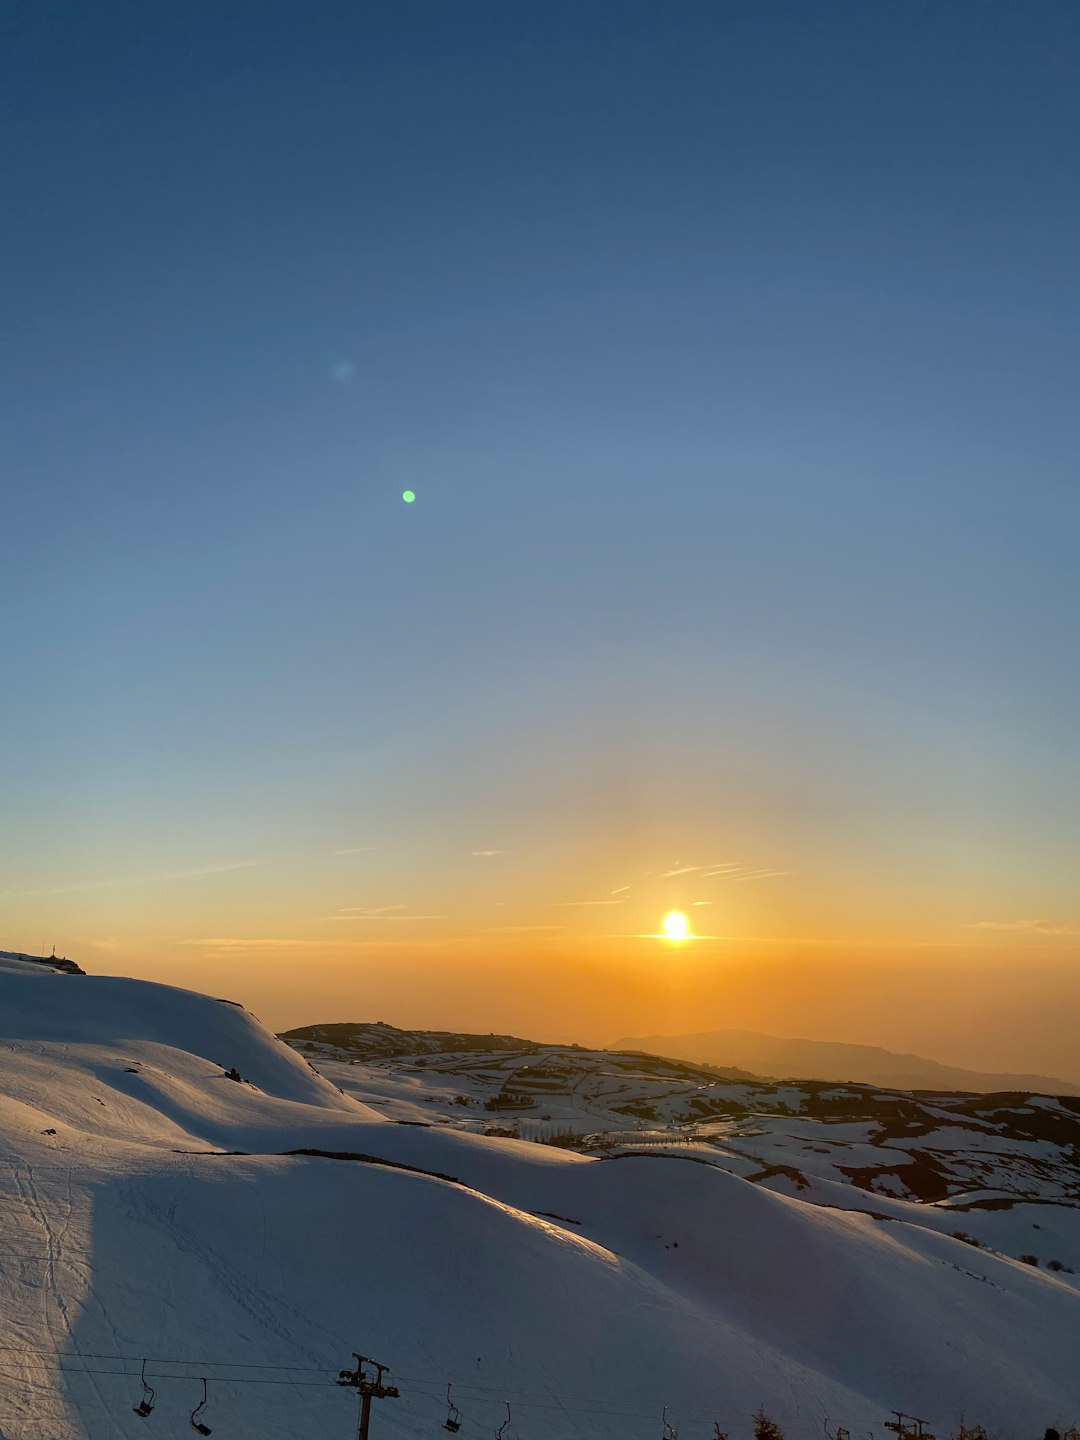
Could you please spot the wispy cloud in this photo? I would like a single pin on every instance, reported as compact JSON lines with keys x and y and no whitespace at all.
{"x":382,"y":917}
{"x":231,"y":943}
{"x":726,"y":867}
{"x":234,"y":942}
{"x":156,"y":877}
{"x":621,"y":890}
{"x":762,"y":874}
{"x":700,"y":902}
{"x":818,"y":942}
{"x":683,"y":939}
{"x":487,"y":854}
{"x":381,"y":912}
{"x":1031,"y":927}
{"x":520,"y":929}
{"x":570,"y":904}
{"x":370,"y":910}
{"x":357,"y":850}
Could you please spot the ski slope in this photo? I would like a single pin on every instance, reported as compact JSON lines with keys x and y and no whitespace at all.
{"x":590,"y":1293}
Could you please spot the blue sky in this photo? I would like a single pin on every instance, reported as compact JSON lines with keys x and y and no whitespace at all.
{"x":731,"y":351}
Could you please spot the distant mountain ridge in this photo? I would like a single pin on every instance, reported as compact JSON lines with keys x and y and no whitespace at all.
{"x":375,"y":1040}
{"x":784,"y":1058}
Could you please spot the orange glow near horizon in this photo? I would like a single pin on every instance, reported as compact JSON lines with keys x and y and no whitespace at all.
{"x":590,"y":943}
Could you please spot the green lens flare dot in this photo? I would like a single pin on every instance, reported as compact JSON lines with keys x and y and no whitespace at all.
{"x":408,"y":496}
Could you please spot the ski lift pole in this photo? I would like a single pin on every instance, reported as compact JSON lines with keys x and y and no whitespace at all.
{"x":368,"y":1387}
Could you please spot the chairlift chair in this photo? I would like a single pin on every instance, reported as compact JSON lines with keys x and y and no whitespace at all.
{"x":146,"y":1404}
{"x":453,"y":1417}
{"x":502,"y":1428}
{"x":669,"y":1433}
{"x":196,"y":1423}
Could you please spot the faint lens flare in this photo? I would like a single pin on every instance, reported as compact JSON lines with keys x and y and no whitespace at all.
{"x":408,"y":496}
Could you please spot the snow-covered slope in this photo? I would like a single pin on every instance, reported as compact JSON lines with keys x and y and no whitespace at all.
{"x":589,"y":1293}
{"x":842,"y":1144}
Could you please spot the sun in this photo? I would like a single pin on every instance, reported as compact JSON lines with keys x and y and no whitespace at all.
{"x":675,"y":926}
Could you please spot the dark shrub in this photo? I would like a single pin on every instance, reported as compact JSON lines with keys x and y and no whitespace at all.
{"x":766,"y":1429}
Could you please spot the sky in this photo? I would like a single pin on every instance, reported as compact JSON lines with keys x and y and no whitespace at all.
{"x":731,"y":353}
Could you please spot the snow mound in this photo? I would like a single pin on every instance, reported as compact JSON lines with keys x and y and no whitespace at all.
{"x":146,"y":1063}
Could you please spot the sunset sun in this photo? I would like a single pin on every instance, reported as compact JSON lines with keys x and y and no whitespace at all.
{"x":675,"y":926}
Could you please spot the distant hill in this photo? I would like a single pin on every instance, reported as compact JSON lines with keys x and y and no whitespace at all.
{"x":375,"y":1040}
{"x":831,"y":1060}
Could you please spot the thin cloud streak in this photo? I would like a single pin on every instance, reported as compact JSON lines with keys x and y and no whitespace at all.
{"x":1029,"y":927}
{"x":157,"y":877}
{"x":369,"y":909}
{"x":487,"y":854}
{"x":520,"y":929}
{"x":387,"y":915}
{"x":226,"y":944}
{"x":357,"y":850}
{"x":670,"y":940}
{"x":229,"y":942}
{"x":823,"y":944}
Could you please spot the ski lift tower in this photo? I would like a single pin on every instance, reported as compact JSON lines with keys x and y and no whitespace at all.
{"x":369,"y":1387}
{"x":909,"y":1427}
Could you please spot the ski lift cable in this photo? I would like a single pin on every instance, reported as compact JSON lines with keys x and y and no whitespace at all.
{"x":473,"y":1428}
{"x":533,"y":1399}
{"x":222,"y":1380}
{"x":169,"y":1360}
{"x":620,"y":1413}
{"x":545,"y":1400}
{"x":645,"y":1415}
{"x":522,"y":1396}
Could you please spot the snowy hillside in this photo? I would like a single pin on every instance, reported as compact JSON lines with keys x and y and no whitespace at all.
{"x":981,"y":1163}
{"x":154,"y":1205}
